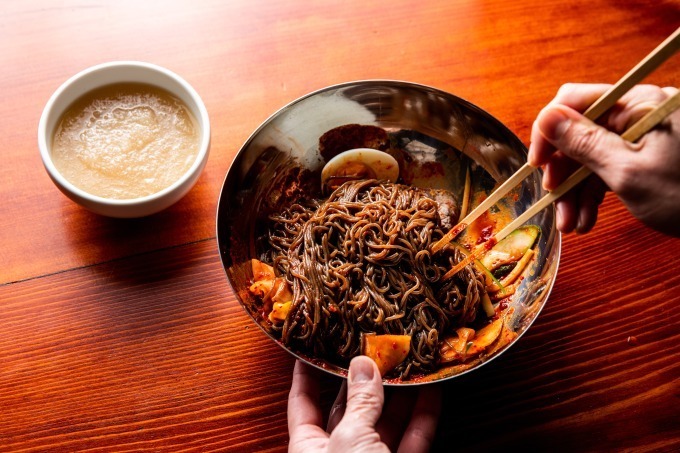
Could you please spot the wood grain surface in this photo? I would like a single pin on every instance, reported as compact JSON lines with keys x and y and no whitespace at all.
{"x":123,"y":335}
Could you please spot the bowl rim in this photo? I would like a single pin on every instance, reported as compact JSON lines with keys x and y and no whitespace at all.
{"x":337,"y":370}
{"x":65,"y":184}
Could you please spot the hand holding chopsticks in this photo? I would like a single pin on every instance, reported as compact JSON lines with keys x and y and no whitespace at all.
{"x":607,"y":100}
{"x":633,"y":134}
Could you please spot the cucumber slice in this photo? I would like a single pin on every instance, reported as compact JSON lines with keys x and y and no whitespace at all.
{"x":512,"y":248}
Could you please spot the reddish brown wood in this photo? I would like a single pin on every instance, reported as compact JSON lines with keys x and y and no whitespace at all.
{"x":120,"y":335}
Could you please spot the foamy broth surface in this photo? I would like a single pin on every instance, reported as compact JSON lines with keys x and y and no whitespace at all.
{"x":125,"y":141}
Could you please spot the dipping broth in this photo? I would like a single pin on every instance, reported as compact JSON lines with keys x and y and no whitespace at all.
{"x":125,"y":141}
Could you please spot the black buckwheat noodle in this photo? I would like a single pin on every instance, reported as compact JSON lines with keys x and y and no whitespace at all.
{"x":360,"y":262}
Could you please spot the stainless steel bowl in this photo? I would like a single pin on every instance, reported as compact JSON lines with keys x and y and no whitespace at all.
{"x":436,"y":127}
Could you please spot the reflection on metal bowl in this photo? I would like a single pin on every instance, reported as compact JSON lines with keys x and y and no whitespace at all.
{"x":439,"y":136}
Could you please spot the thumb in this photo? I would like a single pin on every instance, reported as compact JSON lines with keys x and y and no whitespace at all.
{"x":365,"y":395}
{"x":581,"y":139}
{"x":365,"y":398}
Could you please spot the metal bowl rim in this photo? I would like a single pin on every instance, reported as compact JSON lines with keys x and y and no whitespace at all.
{"x":396,"y":83}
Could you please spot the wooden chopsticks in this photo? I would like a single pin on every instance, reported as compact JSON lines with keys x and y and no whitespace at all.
{"x":633,"y":134}
{"x":656,"y":57}
{"x":637,"y":130}
{"x":652,"y":61}
{"x":491,"y":200}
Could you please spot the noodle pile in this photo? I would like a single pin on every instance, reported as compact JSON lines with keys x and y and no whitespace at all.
{"x":360,"y":262}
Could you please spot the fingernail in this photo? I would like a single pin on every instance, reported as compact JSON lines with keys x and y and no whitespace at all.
{"x":361,"y":369}
{"x":531,"y":155}
{"x":561,"y":218}
{"x":553,"y":122}
{"x":581,"y":225}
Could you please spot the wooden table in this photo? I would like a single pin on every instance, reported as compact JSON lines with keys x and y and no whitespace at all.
{"x":123,"y":335}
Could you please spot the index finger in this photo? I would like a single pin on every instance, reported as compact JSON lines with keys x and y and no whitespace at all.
{"x":303,"y":399}
{"x":580,"y":96}
{"x":577,"y":96}
{"x":422,"y":428}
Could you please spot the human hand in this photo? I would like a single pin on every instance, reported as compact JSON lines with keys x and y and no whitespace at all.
{"x":407,"y":424}
{"x":645,"y":175}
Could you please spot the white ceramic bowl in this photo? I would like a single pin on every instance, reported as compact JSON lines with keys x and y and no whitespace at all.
{"x":117,"y":72}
